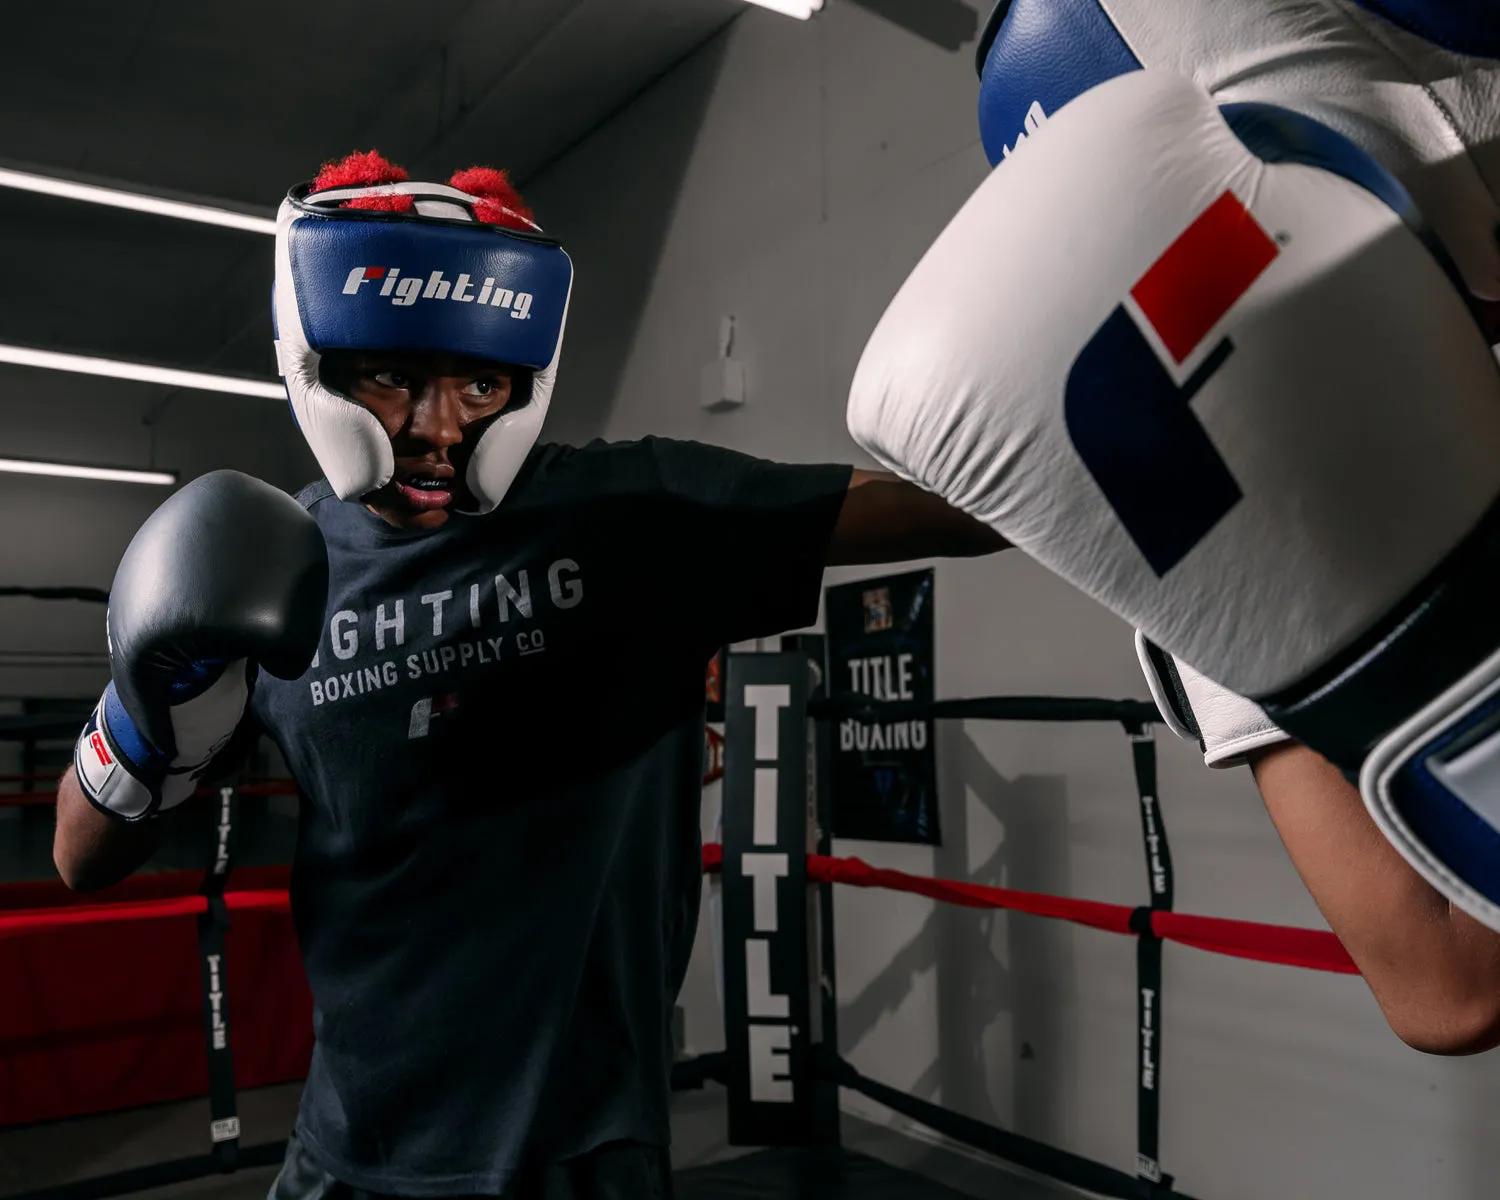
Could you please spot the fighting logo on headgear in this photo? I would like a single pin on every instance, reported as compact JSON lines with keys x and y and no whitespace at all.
{"x":469,"y":246}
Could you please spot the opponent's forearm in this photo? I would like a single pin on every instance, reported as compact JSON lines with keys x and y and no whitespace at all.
{"x":885,"y":519}
{"x":1434,"y":970}
{"x":91,"y":850}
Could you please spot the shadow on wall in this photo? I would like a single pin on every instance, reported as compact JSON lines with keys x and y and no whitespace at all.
{"x":1002,"y":1045}
{"x":1474,"y":1100}
{"x":633,"y":169}
{"x":948,"y":24}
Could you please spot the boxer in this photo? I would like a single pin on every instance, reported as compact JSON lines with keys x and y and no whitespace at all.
{"x":482,"y":657}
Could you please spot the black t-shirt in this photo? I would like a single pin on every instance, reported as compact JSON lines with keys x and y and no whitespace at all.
{"x":500,"y":749}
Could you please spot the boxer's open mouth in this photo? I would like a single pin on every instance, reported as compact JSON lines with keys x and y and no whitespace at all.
{"x":426,"y":487}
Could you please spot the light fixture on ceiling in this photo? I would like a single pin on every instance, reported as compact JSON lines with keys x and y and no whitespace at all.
{"x":181,"y":210}
{"x":801,"y":9}
{"x":110,"y":368}
{"x":27,"y":466}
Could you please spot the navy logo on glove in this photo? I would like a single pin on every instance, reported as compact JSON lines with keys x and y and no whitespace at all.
{"x":1126,"y":408}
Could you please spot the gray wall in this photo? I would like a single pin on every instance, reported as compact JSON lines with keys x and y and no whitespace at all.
{"x":73,"y":532}
{"x":791,"y":174}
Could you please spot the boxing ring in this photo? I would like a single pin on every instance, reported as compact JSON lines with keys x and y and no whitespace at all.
{"x":206,"y":996}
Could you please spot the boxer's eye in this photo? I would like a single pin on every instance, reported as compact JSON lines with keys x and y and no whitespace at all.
{"x":481,"y":387}
{"x":393,"y":379}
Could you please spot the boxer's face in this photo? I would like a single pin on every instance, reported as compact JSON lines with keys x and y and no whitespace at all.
{"x":434,"y":407}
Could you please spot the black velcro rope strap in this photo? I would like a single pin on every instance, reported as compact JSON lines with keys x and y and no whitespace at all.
{"x":1153,"y":828}
{"x":1062,"y":1165}
{"x":1148,"y":965}
{"x":213,"y":929}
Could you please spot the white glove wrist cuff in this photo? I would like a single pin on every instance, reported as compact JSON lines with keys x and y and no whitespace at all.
{"x":1226,"y":726}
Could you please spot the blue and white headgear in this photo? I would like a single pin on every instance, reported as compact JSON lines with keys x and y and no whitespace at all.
{"x":432,"y":278}
{"x":1413,"y":83}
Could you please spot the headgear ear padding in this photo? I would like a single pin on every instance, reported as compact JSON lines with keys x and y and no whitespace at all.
{"x":433,"y":280}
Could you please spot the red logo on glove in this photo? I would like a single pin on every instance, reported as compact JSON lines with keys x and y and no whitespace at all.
{"x":101,"y":751}
{"x":1202,"y":274}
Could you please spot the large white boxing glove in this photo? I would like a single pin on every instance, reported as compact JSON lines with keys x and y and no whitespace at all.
{"x":1415,"y":83}
{"x":1226,"y":727}
{"x":1198,"y":363}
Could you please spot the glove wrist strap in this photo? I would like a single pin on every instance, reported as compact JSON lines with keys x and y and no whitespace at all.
{"x":113,"y":783}
{"x":1407,"y":662}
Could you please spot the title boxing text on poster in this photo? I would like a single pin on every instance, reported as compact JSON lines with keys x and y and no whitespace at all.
{"x":884,"y":772}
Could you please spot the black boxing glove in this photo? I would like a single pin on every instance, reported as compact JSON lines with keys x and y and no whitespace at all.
{"x":230,"y":575}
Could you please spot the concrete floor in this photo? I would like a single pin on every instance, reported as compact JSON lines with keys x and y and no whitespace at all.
{"x":58,"y":1152}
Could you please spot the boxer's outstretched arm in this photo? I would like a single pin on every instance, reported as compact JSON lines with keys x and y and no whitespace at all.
{"x":885,"y":519}
{"x":92,"y":851}
{"x":1434,"y":970}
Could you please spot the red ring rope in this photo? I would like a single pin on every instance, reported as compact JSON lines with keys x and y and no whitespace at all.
{"x":1311,"y":949}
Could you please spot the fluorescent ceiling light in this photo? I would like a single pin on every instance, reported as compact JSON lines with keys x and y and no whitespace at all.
{"x":25,"y":466}
{"x":181,"y":210}
{"x":801,"y":9}
{"x":198,"y":381}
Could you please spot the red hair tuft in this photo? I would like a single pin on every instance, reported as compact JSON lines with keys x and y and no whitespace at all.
{"x":360,"y":169}
{"x":498,"y":202}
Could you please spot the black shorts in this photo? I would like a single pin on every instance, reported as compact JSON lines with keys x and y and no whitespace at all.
{"x":617,"y":1171}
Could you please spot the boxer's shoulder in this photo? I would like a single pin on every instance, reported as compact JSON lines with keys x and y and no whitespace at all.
{"x":610,"y":468}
